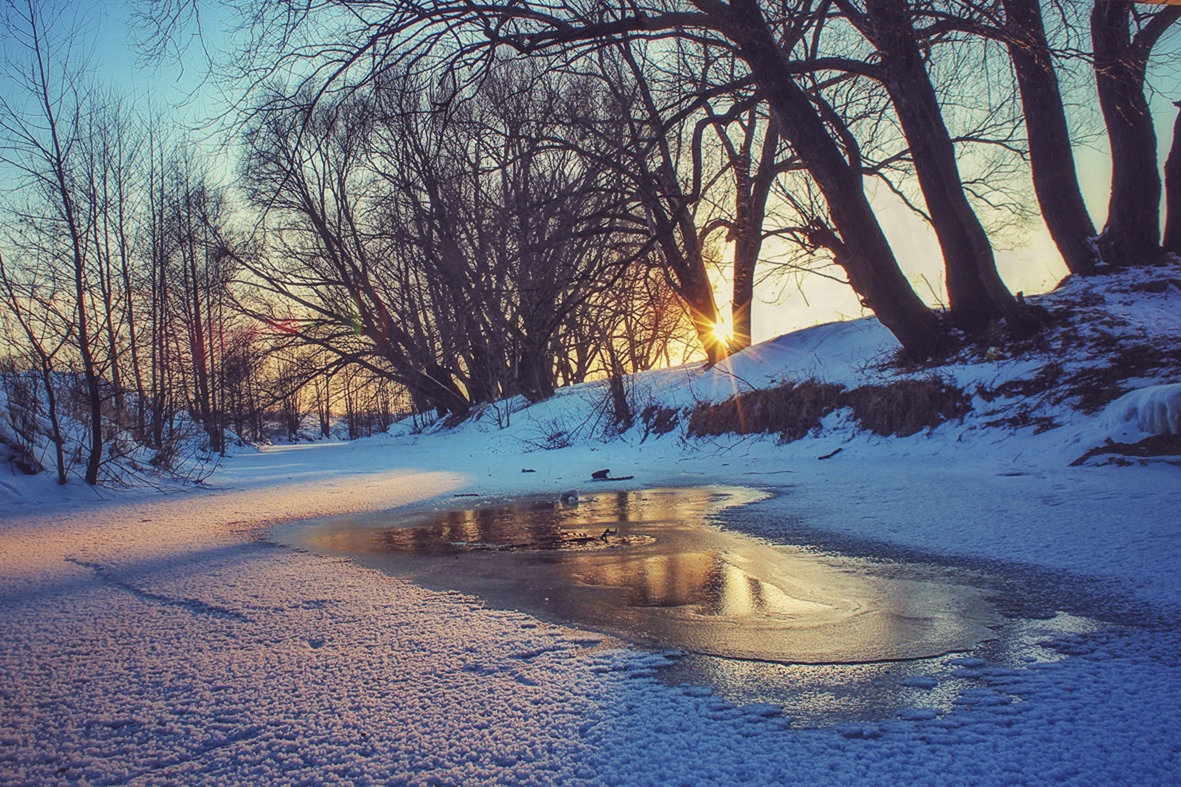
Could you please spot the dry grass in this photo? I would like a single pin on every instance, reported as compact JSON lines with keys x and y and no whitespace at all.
{"x":790,"y":410}
{"x":1092,"y":389}
{"x":1045,"y":379}
{"x":19,"y":456}
{"x":659,"y":420}
{"x":1156,"y":445}
{"x":907,"y":406}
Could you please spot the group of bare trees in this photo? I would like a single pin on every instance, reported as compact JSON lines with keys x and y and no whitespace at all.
{"x":118,"y":326}
{"x":114,"y":298}
{"x":471,"y":252}
{"x":847,"y":92}
{"x":458,"y":202}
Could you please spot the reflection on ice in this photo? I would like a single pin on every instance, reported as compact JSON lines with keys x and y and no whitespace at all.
{"x":652,"y":567}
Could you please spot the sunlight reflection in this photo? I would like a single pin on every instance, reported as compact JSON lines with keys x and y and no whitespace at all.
{"x":651,"y":567}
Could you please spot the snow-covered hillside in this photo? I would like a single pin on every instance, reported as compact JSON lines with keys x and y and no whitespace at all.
{"x":1115,"y":336}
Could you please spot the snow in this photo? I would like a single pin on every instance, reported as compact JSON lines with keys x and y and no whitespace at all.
{"x":161,"y":638}
{"x":1153,"y":410}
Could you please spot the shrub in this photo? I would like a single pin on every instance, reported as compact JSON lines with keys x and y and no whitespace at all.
{"x":790,"y":410}
{"x":659,"y":420}
{"x":907,"y":406}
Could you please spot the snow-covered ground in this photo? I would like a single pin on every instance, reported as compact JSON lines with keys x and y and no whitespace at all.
{"x":160,"y":637}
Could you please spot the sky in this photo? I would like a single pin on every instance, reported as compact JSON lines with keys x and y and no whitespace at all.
{"x":176,"y":85}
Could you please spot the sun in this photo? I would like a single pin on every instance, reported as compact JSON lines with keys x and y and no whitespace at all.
{"x":722,"y":331}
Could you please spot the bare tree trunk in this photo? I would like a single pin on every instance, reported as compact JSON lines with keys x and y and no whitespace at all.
{"x":101,"y":198}
{"x":865,"y":253}
{"x":686,"y":275}
{"x":621,"y":410}
{"x":322,"y":388}
{"x":154,"y":433}
{"x":89,"y":374}
{"x":196,"y":326}
{"x":1132,"y":233}
{"x":974,"y":286}
{"x":1051,"y":159}
{"x":1172,"y":242}
{"x":133,"y":335}
{"x":77,"y":233}
{"x":214,"y":325}
{"x":55,"y":426}
{"x":751,"y":191}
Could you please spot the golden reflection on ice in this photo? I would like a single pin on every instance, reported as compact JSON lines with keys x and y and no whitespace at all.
{"x":650,"y":566}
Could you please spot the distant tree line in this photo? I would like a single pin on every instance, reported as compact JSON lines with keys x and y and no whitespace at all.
{"x":119,"y":286}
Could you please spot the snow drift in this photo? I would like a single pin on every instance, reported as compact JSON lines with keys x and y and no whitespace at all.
{"x":1146,"y":412}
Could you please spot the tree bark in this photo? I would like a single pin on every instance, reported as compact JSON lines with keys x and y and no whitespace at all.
{"x":1051,"y":159}
{"x":1132,"y":233}
{"x":534,"y":369}
{"x":1172,"y":241}
{"x":687,"y":277}
{"x":752,"y":190}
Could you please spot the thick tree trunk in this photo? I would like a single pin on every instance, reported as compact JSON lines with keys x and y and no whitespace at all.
{"x":481,"y":380}
{"x":1051,"y":159}
{"x":748,"y":240}
{"x":436,"y":388}
{"x":1172,"y":242}
{"x":974,"y":287}
{"x":1132,"y":233}
{"x":534,"y":371}
{"x":867,"y":257}
{"x":693,"y":287}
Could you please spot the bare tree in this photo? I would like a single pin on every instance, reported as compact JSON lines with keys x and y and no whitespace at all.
{"x":975,"y":289}
{"x":1172,"y":239}
{"x":325,"y":258}
{"x":1051,"y":158}
{"x":658,"y":151}
{"x":377,"y":37}
{"x":445,"y":246}
{"x":44,"y":143}
{"x":1123,"y":37}
{"x":33,"y":306}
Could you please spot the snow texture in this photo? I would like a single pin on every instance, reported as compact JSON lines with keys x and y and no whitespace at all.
{"x":1145,"y":412}
{"x":160,"y":638}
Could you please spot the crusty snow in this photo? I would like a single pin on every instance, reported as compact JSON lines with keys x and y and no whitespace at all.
{"x":161,"y":638}
{"x":1145,"y":412}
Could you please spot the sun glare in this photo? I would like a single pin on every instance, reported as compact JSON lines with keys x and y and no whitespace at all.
{"x":723,"y":331}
